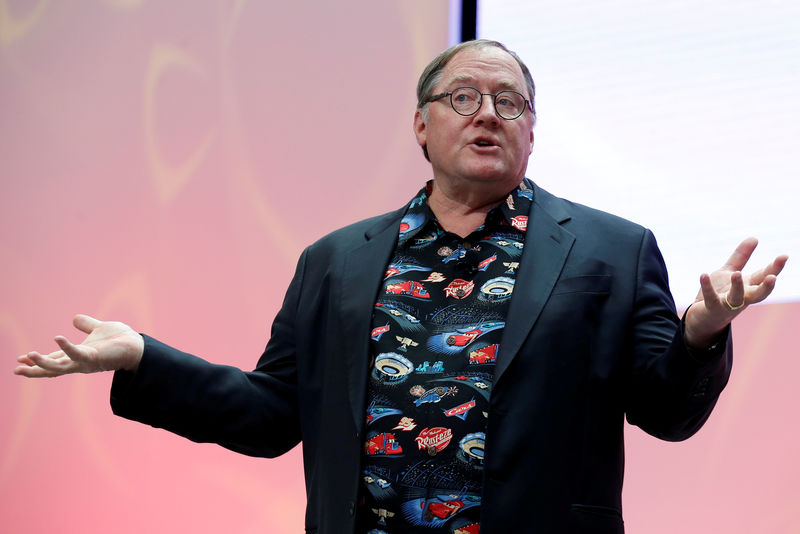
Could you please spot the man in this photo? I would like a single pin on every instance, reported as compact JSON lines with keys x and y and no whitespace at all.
{"x":463,"y":364}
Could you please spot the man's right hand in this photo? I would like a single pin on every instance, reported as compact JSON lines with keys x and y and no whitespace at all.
{"x":110,"y":346}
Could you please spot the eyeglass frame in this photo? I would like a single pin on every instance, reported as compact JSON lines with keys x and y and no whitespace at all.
{"x":434,"y":98}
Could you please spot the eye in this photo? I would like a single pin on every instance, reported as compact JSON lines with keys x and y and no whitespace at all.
{"x":465,"y":95}
{"x":509,"y":100}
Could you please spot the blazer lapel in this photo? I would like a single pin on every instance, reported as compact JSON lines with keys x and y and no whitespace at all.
{"x":547,"y":245}
{"x":361,"y":279}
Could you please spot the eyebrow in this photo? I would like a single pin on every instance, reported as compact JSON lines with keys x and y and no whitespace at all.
{"x":502,"y":84}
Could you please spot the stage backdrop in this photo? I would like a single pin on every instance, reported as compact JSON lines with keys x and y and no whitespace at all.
{"x":683,"y":116}
{"x":164,"y":163}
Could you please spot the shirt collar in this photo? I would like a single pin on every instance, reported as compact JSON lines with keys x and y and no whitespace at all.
{"x":419,"y":223}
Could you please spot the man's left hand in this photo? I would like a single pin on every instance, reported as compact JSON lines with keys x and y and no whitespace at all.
{"x":726,"y":292}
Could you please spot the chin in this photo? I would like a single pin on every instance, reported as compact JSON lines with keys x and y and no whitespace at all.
{"x":489,"y":174}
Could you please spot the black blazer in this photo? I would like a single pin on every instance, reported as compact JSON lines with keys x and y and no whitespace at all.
{"x":591,"y":337}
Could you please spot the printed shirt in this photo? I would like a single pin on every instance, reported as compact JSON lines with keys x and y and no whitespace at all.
{"x":436,"y":331}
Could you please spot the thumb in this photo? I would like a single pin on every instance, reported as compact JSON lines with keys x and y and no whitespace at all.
{"x":85,"y":323}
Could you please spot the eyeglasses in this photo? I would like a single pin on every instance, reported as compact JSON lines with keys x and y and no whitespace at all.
{"x":467,"y":101}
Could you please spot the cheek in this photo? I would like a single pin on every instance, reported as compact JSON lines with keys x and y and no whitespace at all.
{"x":525,"y":143}
{"x":443,"y":143}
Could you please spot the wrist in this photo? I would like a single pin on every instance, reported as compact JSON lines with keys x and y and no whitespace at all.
{"x":699,"y":336}
{"x":137,"y":351}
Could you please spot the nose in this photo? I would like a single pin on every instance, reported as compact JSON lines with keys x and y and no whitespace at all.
{"x":486,"y":111}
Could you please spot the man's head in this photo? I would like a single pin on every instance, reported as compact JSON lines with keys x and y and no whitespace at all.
{"x":483,"y":146}
{"x":432,"y":74}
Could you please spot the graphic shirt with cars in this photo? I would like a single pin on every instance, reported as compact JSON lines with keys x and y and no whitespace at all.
{"x":437,"y":326}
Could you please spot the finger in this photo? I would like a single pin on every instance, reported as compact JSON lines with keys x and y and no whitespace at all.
{"x":76,"y":353}
{"x":778,"y":264}
{"x":773,"y":268}
{"x":763,"y":290}
{"x":735,"y":296}
{"x":707,"y":292}
{"x":741,"y":255}
{"x":33,"y":372}
{"x":25,"y":359}
{"x":85,"y":323}
{"x":56,"y":366}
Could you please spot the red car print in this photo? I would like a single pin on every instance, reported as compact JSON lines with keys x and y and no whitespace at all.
{"x":474,"y":528}
{"x":453,"y":340}
{"x":464,"y":338}
{"x":410,"y":288}
{"x":484,"y":355}
{"x":382,"y":444}
{"x":443,"y":510}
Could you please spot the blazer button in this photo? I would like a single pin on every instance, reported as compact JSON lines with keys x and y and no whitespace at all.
{"x":351,"y":507}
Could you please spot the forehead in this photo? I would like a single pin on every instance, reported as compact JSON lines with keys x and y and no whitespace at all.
{"x":485,"y":68}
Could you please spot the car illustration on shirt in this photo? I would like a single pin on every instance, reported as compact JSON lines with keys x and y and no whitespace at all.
{"x":409,"y":288}
{"x":384,"y":443}
{"x":465,"y":336}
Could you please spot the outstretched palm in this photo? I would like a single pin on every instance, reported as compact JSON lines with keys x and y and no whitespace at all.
{"x":726,"y":292}
{"x":110,"y":346}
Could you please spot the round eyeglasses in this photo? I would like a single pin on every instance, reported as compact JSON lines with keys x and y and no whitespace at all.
{"x":467,"y":101}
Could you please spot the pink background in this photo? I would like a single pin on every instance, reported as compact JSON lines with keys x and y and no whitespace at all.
{"x":164,"y":163}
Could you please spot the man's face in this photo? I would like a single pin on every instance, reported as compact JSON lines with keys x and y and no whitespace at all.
{"x":481,"y":148}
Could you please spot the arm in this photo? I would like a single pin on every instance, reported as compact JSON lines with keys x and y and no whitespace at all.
{"x":672,"y":391}
{"x":254,"y":413}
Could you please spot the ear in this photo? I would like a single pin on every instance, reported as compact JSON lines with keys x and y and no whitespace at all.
{"x":420,"y":129}
{"x":531,"y":149}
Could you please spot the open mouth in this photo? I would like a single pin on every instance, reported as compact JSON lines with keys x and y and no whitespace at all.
{"x":484,"y":141}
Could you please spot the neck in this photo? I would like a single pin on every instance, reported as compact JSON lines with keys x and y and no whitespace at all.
{"x":461,"y":211}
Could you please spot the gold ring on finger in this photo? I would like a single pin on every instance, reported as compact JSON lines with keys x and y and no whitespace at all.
{"x":731,"y":307}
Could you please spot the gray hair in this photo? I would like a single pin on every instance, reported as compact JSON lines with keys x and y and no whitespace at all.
{"x":432,"y":75}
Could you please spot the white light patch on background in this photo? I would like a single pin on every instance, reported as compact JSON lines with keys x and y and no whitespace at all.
{"x":681,"y":116}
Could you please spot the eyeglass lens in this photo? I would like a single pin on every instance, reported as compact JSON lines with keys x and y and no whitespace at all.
{"x":467,"y":100}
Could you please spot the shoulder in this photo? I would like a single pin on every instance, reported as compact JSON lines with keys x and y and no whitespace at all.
{"x":357,"y":233}
{"x":578,"y":218}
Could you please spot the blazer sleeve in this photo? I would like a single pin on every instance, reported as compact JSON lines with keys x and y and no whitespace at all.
{"x":671,"y":392}
{"x":254,"y":413}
